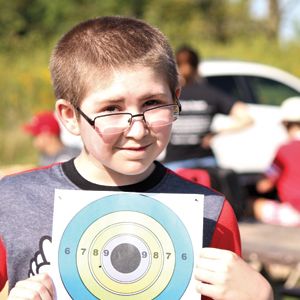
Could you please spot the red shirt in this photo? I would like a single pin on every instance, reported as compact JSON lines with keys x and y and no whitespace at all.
{"x":285,"y":172}
{"x":3,"y":273}
{"x":226,"y":235}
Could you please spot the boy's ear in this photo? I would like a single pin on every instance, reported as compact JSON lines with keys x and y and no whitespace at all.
{"x":66,"y":113}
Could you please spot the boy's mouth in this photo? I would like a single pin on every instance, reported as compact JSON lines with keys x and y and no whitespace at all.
{"x":135,"y":148}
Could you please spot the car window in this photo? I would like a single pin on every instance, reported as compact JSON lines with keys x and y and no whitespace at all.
{"x":235,"y":86}
{"x":268,"y":91}
{"x":225,"y":83}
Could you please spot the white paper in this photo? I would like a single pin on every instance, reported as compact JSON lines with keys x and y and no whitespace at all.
{"x":116,"y":245}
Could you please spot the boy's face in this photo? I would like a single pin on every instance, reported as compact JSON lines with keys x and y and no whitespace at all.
{"x":185,"y":68}
{"x":131,"y":152}
{"x":43,"y":142}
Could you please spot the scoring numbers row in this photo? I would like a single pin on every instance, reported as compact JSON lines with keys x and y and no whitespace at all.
{"x":144,"y":254}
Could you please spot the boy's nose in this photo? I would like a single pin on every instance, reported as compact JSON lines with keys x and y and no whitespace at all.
{"x":138,"y":128}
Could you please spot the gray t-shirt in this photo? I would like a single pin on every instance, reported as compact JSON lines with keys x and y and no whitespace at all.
{"x":27,"y":201}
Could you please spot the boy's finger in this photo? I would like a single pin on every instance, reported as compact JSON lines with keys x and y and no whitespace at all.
{"x":208,"y":276}
{"x":208,"y":264}
{"x":46,"y":282}
{"x":215,"y":253}
{"x":21,"y":293}
{"x":30,"y":289}
{"x":209,"y":290}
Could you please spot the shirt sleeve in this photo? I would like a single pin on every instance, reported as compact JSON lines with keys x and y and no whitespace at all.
{"x":3,"y":271}
{"x":226,"y":235}
{"x":274,"y":171}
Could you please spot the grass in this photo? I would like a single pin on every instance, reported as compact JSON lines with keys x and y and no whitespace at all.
{"x":16,"y":147}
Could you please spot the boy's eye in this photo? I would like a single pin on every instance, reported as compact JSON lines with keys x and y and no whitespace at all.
{"x":110,"y":109}
{"x":153,"y":102}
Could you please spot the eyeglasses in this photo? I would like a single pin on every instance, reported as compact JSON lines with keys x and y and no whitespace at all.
{"x":114,"y":123}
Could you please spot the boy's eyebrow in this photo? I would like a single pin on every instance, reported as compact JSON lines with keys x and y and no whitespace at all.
{"x":159,"y":95}
{"x":107,"y":100}
{"x":122,"y":99}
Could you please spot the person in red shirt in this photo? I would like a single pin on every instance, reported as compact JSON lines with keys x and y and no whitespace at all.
{"x":283,"y":174}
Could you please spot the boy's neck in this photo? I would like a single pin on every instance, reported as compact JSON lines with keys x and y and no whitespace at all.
{"x":93,"y":171}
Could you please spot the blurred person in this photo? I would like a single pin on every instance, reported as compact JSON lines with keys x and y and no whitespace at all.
{"x":283,"y":174}
{"x":45,"y":130}
{"x":191,"y":137}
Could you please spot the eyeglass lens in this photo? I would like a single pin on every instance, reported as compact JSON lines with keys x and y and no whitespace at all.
{"x":157,"y":117}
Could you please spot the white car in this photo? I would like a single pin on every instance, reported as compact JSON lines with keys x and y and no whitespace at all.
{"x":263,"y":88}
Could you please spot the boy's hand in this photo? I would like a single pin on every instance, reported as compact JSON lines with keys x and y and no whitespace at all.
{"x":223,"y":275}
{"x":39,"y":287}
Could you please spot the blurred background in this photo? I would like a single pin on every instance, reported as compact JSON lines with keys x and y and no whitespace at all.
{"x":265,"y":31}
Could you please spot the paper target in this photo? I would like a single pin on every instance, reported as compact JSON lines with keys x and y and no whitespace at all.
{"x":125,"y":245}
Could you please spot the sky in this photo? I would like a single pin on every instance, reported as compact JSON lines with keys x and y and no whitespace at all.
{"x":259,"y":8}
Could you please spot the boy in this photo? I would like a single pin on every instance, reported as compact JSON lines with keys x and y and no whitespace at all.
{"x":116,"y":83}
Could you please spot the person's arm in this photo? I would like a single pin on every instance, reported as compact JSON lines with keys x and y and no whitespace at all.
{"x":271,"y":176}
{"x":265,"y":185}
{"x":227,"y":235}
{"x":240,"y":118}
{"x":36,"y":287}
{"x":240,"y":115}
{"x":221,"y":273}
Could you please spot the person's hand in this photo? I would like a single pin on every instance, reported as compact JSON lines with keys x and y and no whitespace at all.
{"x":38,"y":287}
{"x":265,"y":185}
{"x":206,"y":141}
{"x":223,"y":275}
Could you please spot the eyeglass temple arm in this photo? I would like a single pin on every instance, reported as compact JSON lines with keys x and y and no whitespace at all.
{"x":90,"y":121}
{"x":178,"y":103}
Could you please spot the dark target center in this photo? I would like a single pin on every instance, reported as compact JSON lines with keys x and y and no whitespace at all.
{"x":125,"y":258}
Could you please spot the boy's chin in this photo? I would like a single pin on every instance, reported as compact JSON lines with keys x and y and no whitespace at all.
{"x":136,"y":168}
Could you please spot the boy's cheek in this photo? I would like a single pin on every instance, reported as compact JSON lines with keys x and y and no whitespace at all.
{"x":108,"y":139}
{"x":164,"y":134}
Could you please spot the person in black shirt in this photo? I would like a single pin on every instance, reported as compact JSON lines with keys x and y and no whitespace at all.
{"x":191,"y":137}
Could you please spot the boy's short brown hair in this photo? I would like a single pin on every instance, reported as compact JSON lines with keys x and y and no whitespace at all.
{"x":90,"y":51}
